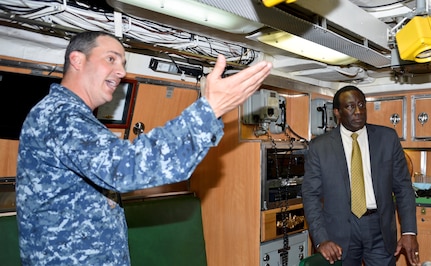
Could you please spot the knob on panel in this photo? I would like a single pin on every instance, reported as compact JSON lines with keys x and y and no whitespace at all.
{"x":138,"y":128}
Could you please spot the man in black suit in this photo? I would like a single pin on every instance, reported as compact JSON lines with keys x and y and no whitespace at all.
{"x":371,"y":236}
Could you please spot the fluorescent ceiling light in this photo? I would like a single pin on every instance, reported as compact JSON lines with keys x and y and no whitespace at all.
{"x":199,"y":13}
{"x":306,"y":48}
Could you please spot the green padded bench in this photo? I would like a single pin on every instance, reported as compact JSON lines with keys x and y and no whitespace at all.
{"x":163,"y":231}
{"x":166,"y":231}
{"x":9,"y":249}
{"x":317,"y":259}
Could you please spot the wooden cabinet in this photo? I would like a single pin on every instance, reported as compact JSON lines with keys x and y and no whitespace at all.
{"x":423,"y":215}
{"x":421,"y":116}
{"x":228,"y":182}
{"x":156,"y":103}
{"x":272,"y":219}
{"x":408,"y":113}
{"x":8,"y":157}
{"x":415,"y":137}
{"x":390,"y":112}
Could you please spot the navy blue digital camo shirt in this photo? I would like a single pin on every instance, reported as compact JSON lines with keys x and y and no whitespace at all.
{"x":66,"y":155}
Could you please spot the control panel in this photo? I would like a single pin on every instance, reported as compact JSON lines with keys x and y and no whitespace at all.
{"x":298,"y":249}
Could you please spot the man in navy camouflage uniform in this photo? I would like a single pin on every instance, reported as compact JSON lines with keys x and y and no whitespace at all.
{"x":66,"y":156}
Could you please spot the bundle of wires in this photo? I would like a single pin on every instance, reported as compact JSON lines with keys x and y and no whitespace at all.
{"x":66,"y":17}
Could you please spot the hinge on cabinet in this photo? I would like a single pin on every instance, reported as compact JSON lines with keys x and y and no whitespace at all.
{"x":169,"y":92}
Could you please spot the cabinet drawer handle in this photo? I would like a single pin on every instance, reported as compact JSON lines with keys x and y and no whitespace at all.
{"x":395,"y":119}
{"x":422,"y":118}
{"x":138,"y":128}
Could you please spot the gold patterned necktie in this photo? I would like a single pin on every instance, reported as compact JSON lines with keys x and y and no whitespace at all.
{"x":359,"y":205}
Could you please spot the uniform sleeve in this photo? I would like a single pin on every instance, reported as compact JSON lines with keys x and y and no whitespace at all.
{"x":165,"y":155}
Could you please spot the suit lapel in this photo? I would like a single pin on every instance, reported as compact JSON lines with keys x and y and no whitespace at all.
{"x":373,"y":146}
{"x":340,"y":158}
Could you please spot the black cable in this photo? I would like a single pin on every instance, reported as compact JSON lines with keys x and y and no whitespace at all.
{"x":298,"y":136}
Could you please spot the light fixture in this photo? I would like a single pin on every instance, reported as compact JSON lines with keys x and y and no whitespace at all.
{"x":303,"y":47}
{"x":199,"y":13}
{"x":414,"y":40}
{"x":175,"y":68}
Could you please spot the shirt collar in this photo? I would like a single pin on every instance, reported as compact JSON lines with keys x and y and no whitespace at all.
{"x":346,"y":132}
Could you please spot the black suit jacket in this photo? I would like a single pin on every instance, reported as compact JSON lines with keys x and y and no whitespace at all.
{"x":326,"y":187}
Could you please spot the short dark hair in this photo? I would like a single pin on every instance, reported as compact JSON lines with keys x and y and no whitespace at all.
{"x":83,"y":42}
{"x":336,"y":99}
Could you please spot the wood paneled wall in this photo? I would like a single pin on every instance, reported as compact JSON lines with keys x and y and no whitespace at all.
{"x":8,"y":157}
{"x":228,"y":182}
